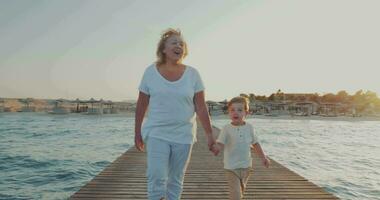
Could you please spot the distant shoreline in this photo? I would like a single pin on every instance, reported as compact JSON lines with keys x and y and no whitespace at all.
{"x":225,"y":116}
{"x":126,"y":114}
{"x":313,"y":117}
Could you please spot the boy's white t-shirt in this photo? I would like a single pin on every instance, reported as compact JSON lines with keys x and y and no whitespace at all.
{"x":237,"y":142}
{"x":171,"y":111}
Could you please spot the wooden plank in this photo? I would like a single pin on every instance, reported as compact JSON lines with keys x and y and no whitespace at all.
{"x":125,"y":179}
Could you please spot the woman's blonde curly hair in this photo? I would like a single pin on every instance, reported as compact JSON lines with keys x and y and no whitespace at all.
{"x":161,"y":44}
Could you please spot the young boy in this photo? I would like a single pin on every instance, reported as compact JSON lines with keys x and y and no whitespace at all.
{"x":237,"y":139}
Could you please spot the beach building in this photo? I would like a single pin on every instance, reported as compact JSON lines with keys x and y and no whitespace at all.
{"x":80,"y":106}
{"x":124,"y":106}
{"x":91,"y":107}
{"x":270,"y":108}
{"x":95,"y":108}
{"x":345,"y":109}
{"x":131,"y":107}
{"x":279,"y":108}
{"x":284,"y":107}
{"x":109,"y":108}
{"x":27,"y":105}
{"x":216,"y":108}
{"x":261,"y":108}
{"x":59,"y":107}
{"x":256,"y":107}
{"x":329,"y":109}
{"x":305,"y":108}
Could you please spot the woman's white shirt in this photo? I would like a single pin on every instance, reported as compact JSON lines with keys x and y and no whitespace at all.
{"x":171,"y":111}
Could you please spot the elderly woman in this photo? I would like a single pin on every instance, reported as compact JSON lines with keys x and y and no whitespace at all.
{"x":174,"y":93}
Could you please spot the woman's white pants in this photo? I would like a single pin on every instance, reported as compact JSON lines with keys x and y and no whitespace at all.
{"x":167,"y":163}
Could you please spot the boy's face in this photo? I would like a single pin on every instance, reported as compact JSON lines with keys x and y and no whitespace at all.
{"x":237,"y":113}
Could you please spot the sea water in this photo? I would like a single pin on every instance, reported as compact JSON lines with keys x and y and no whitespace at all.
{"x":45,"y":156}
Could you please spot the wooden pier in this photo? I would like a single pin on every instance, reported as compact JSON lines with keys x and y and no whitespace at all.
{"x":204,"y":179}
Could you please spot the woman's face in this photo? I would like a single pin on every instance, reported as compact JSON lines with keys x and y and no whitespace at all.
{"x":174,"y":48}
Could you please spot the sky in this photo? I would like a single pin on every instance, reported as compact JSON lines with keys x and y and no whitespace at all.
{"x":100,"y":49}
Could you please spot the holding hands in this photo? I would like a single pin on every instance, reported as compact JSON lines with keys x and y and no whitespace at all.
{"x":211,"y":144}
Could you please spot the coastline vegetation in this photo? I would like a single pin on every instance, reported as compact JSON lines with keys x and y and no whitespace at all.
{"x":306,"y":104}
{"x":362,"y":101}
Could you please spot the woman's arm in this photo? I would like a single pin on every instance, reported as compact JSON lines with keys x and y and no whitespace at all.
{"x":202,"y":112}
{"x":142,"y":105}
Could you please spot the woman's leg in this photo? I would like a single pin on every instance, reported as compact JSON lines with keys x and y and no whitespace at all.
{"x":178,"y":161}
{"x":158,"y":152}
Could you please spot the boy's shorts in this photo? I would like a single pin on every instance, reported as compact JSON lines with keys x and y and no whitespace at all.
{"x":237,"y":181}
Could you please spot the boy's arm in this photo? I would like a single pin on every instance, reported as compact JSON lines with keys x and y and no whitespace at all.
{"x":220,"y":141}
{"x":261,"y":154}
{"x":219,"y":146}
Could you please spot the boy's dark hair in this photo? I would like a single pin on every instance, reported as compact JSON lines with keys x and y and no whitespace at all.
{"x":239,"y":99}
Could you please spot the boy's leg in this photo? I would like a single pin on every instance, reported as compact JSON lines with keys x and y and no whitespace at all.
{"x":244,"y":176}
{"x":234,"y":185}
{"x":179,"y":158}
{"x":158,"y":152}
